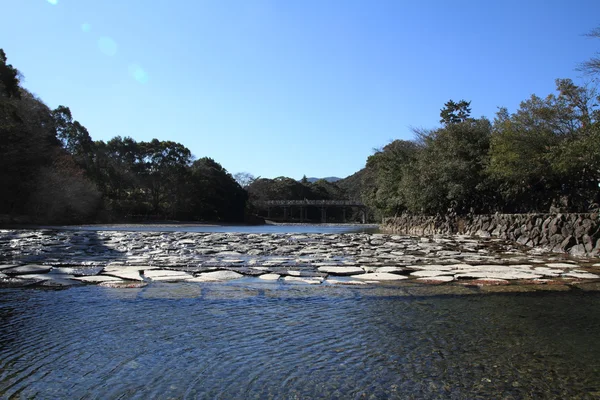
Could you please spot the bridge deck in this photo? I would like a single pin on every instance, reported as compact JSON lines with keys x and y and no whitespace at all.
{"x":318,"y":203}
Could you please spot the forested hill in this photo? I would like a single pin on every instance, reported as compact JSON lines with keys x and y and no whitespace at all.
{"x":51,"y":171}
{"x":544,"y":157}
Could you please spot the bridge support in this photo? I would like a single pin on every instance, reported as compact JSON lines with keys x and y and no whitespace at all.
{"x":344,"y":214}
{"x":364,"y":215}
{"x":286,"y":212}
{"x":323,"y":214}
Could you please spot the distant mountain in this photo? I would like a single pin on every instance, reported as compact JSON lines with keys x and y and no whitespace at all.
{"x":328,"y":179}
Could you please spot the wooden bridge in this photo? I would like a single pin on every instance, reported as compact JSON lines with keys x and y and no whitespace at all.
{"x":303,"y":205}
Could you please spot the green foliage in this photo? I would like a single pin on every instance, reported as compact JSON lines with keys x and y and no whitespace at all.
{"x":387,"y":170}
{"x":9,"y":78}
{"x":454,"y":113}
{"x":546,"y":154}
{"x":52,"y":171}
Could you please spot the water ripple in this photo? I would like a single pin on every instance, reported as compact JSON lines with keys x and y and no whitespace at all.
{"x":209,"y":341}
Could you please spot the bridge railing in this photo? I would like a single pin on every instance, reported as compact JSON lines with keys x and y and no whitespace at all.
{"x":322,"y":203}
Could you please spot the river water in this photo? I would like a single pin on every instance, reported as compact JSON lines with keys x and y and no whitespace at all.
{"x":261,"y":341}
{"x":268,"y":340}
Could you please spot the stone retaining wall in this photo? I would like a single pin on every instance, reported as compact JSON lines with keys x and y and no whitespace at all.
{"x":577,"y":234}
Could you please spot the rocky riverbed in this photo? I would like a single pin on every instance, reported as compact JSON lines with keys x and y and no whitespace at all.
{"x":51,"y":258}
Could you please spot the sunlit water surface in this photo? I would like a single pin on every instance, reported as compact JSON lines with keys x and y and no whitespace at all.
{"x":264,"y":341}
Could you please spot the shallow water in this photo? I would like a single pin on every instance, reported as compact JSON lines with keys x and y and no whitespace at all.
{"x":276,"y":341}
{"x":283,"y":228}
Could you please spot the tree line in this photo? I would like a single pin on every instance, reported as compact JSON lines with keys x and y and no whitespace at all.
{"x":51,"y":171}
{"x":543,"y":157}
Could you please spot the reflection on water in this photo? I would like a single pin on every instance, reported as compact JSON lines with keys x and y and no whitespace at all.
{"x":283,"y":228}
{"x":220,"y":341}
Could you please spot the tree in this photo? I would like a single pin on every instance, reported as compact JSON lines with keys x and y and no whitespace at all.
{"x":454,"y":113}
{"x":547,"y":153}
{"x":244,"y":179}
{"x":215,"y":195}
{"x":449,"y":169}
{"x":9,"y":78}
{"x":388,"y":168}
{"x":592,"y":66}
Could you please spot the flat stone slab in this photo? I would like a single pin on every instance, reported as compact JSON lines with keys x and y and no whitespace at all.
{"x":98,"y":279}
{"x":216,"y":276}
{"x":496,"y":275}
{"x":123,"y":285}
{"x":51,"y":280}
{"x":380,"y":276}
{"x":166,"y":275}
{"x":390,"y":270}
{"x":311,"y":281}
{"x":582,"y":275}
{"x":7,"y":266}
{"x":269,"y":277}
{"x":129,"y":273}
{"x":561,"y":265}
{"x":342,"y":271}
{"x":77,"y":271}
{"x":28,"y":269}
{"x":549,"y":272}
{"x":430,"y":273}
{"x":35,"y":277}
{"x":436,"y":279}
{"x":488,"y":282}
{"x":432,"y":267}
{"x":333,"y":281}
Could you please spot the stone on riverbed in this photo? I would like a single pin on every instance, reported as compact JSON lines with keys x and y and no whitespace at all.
{"x":129,"y":273}
{"x":270,"y":277}
{"x":51,"y":280}
{"x":77,"y":271}
{"x":28,"y":269}
{"x":390,"y":270}
{"x":497,"y":275}
{"x":561,"y":265}
{"x":123,"y":284}
{"x":311,"y":281}
{"x":216,"y":276}
{"x":166,"y":275}
{"x":436,"y":279}
{"x":430,"y":273}
{"x":98,"y":279}
{"x":582,"y":275}
{"x":341,"y":271}
{"x":333,"y":281}
{"x":380,"y":276}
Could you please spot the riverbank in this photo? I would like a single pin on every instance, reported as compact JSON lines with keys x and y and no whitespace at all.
{"x":63,"y":258}
{"x":575,"y":234}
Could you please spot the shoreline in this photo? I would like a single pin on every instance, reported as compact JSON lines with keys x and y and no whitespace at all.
{"x":40,"y":258}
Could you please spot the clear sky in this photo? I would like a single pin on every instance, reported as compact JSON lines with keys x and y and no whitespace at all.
{"x":289,"y":87}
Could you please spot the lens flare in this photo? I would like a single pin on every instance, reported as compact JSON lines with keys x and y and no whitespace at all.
{"x":53,"y":2}
{"x":86,"y":27}
{"x":107,"y":46}
{"x":138,"y":73}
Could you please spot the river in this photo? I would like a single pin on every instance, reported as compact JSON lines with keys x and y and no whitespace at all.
{"x":268,"y":340}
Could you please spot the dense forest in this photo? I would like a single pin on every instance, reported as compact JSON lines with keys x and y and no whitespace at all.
{"x":543,"y":157}
{"x":51,"y":171}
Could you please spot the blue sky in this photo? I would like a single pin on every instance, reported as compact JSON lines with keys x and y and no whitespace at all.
{"x":285,"y":87}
